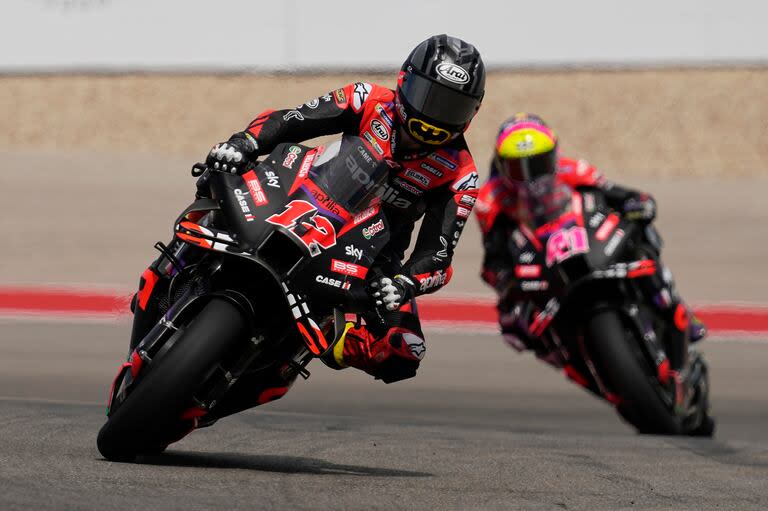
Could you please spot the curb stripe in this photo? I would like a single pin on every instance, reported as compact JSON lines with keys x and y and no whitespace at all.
{"x":468,"y":312}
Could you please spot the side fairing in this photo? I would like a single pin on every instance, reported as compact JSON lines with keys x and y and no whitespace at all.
{"x":338,"y":275}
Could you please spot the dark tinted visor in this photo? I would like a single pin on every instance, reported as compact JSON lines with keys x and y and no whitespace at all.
{"x":529,"y":168}
{"x":440,"y":103}
{"x":543,"y":200}
{"x":350,"y":174}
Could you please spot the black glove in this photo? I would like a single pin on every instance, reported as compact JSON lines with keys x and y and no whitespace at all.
{"x":233,"y":155}
{"x":639,"y":207}
{"x":389,"y":294}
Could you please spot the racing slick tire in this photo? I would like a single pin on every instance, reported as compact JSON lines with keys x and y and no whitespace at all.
{"x":623,"y":367}
{"x":150,"y":416}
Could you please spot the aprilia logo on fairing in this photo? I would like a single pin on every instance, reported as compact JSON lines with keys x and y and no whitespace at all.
{"x":385,"y":193}
{"x":350,"y":250}
{"x":240,"y":197}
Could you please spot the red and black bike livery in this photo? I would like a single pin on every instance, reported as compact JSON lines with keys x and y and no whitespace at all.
{"x":257,"y":282}
{"x":578,"y":283}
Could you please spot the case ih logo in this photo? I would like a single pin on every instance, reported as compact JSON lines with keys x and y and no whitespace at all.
{"x":351,"y":269}
{"x":240,"y":197}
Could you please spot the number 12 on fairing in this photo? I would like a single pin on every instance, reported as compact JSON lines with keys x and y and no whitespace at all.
{"x":316,"y":230}
{"x":566,"y":243}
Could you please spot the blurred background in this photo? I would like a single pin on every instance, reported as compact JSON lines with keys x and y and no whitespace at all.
{"x":106,"y":104}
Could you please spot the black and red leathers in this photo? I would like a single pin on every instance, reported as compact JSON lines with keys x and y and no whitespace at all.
{"x":497,"y":213}
{"x":436,"y":183}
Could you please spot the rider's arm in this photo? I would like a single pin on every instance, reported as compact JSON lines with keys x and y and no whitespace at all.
{"x":497,"y":257}
{"x":581,"y":175}
{"x":448,"y":208}
{"x":335,"y":112}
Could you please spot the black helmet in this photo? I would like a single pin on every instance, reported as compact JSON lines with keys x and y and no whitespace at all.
{"x":440,"y":88}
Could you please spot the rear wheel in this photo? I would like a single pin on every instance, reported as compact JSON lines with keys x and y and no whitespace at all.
{"x":150,"y":417}
{"x":624,"y":368}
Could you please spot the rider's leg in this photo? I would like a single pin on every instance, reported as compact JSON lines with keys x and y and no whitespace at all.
{"x":682,"y":327}
{"x":662,"y":289}
{"x":390,"y":352}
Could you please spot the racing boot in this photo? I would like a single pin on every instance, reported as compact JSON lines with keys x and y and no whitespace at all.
{"x":392,"y":357}
{"x":696,"y":328}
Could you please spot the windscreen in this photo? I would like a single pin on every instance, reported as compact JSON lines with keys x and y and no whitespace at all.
{"x":543,"y":201}
{"x":350,"y":173}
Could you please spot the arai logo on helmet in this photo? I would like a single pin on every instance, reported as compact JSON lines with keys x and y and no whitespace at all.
{"x":453,"y":73}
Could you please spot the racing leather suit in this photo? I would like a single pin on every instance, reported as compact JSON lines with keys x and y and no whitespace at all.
{"x":497,"y":215}
{"x":438,"y":184}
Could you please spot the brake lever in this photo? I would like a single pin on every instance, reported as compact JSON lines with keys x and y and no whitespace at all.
{"x":198,"y":169}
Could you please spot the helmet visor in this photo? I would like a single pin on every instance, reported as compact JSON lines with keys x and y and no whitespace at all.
{"x":529,"y":168}
{"x":438,"y":102}
{"x":543,"y":200}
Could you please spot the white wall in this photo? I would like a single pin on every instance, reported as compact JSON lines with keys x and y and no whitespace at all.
{"x":253,"y":35}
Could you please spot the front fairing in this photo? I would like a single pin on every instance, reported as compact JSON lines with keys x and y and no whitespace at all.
{"x":330,"y":248}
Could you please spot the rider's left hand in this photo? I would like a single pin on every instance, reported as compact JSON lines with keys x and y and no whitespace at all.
{"x":639,"y":207}
{"x":389,"y":294}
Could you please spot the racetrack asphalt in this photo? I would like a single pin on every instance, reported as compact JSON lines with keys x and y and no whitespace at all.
{"x":480,"y":427}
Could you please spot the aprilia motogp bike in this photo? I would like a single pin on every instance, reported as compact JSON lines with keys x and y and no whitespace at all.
{"x":579,"y":287}
{"x":260,"y":278}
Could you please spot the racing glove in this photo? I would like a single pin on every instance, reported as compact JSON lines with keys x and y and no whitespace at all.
{"x":389,"y":294}
{"x":233,"y":155}
{"x":640,"y":206}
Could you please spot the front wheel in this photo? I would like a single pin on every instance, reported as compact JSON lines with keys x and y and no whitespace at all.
{"x":620,"y":363}
{"x":150,"y":417}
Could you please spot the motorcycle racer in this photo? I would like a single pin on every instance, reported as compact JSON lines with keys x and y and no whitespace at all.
{"x":418,"y":128}
{"x":526,"y":175}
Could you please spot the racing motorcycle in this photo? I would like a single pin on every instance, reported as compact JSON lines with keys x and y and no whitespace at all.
{"x":263,"y":272}
{"x":579,"y":287}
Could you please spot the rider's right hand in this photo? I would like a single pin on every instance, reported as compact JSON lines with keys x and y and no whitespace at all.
{"x":233,"y":155}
